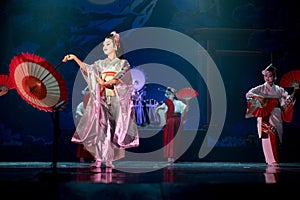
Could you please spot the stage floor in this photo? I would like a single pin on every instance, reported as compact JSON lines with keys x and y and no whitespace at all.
{"x":148,"y":180}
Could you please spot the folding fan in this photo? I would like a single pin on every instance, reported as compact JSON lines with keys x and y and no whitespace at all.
{"x":38,"y":82}
{"x":186,"y":93}
{"x":6,"y":84}
{"x":265,"y":110}
{"x":290,"y":78}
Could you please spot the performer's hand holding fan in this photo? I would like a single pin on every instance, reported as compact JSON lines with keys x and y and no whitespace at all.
{"x":187,"y":94}
{"x":290,"y":79}
{"x":267,"y":106}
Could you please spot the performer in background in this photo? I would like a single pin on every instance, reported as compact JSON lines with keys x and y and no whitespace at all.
{"x":271,"y":104}
{"x":108,"y":125}
{"x":175,"y":116}
{"x":137,"y":97}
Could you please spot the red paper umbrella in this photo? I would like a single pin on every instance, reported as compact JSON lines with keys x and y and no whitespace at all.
{"x":186,"y":93}
{"x":38,"y":82}
{"x":6,"y":84}
{"x":290,"y":78}
{"x":263,"y":111}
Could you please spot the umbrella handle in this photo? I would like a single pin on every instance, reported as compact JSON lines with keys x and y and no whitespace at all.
{"x":53,"y":70}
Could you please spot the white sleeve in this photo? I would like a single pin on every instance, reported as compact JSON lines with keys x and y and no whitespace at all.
{"x":179,"y":106}
{"x":161,"y":107}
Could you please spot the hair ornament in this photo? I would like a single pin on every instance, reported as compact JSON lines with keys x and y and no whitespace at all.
{"x":116,"y":38}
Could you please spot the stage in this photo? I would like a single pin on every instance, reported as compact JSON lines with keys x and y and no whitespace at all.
{"x":149,"y":180}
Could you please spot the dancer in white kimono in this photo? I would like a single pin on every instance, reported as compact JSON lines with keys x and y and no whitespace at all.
{"x":108,"y":124}
{"x":272,"y":105}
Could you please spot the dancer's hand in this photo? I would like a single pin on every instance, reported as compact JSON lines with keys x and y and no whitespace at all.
{"x":296,"y":90}
{"x":260,"y":99}
{"x":296,"y":85}
{"x":112,"y":82}
{"x":100,"y":80}
{"x":69,"y":57}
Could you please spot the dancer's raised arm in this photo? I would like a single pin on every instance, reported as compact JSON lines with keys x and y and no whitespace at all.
{"x":77,"y":60}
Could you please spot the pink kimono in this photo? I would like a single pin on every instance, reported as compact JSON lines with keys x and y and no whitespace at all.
{"x":108,"y":125}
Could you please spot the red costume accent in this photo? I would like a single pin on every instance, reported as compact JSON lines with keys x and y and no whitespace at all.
{"x":172,"y":126}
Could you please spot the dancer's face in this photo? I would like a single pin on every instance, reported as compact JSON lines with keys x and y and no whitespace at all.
{"x":108,"y":46}
{"x":269,"y":77}
{"x":169,"y":95}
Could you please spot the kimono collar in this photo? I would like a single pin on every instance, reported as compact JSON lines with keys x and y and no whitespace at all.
{"x":268,"y":86}
{"x":112,"y":61}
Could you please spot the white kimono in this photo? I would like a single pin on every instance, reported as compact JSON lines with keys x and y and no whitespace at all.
{"x":271,"y":124}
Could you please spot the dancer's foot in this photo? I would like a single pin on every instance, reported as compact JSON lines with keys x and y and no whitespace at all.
{"x":110,"y":165}
{"x":274,"y":164}
{"x":96,"y":164}
{"x":170,"y":161}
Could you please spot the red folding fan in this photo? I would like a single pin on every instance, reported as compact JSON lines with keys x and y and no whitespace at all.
{"x":6,"y":84}
{"x":38,"y":82}
{"x":186,"y":93}
{"x":290,"y":78}
{"x":263,"y":111}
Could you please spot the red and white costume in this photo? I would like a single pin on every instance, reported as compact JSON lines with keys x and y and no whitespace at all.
{"x":270,"y":127}
{"x":174,"y":109}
